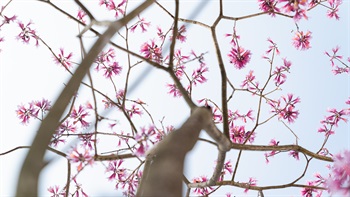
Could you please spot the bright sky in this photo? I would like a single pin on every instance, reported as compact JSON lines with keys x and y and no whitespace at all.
{"x":29,"y":73}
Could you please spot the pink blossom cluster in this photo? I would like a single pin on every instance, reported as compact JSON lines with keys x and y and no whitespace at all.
{"x":298,"y":8}
{"x":332,"y":120}
{"x":343,"y":68}
{"x":32,"y":110}
{"x":285,"y":107}
{"x":106,"y":61}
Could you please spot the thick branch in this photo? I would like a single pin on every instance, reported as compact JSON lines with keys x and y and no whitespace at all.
{"x":28,"y":179}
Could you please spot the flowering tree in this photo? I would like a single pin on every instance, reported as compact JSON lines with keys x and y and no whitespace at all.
{"x":105,"y":121}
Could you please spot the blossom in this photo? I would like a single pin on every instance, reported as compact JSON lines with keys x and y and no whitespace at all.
{"x":173,"y":90}
{"x":308,"y":191}
{"x":64,"y":60}
{"x":294,"y":154}
{"x":180,"y":34}
{"x":25,"y":113}
{"x":134,"y":110}
{"x":118,"y":172}
{"x":334,"y":9}
{"x":339,"y":180}
{"x":286,"y":111}
{"x":279,"y":72}
{"x":239,"y":135}
{"x":152,"y":51}
{"x":273,"y":142}
{"x":55,"y":191}
{"x":110,"y":5}
{"x":334,"y":56}
{"x":295,"y":6}
{"x":144,"y":138}
{"x":251,"y":182}
{"x":197,"y":75}
{"x":239,"y":57}
{"x":249,"y":82}
{"x":272,"y":47}
{"x":112,"y":69}
{"x":81,"y":157}
{"x":201,"y":190}
{"x":301,"y":41}
{"x":79,"y":116}
{"x":8,"y":20}
{"x":141,"y":23}
{"x":81,"y":14}
{"x":86,"y":139}
{"x":268,"y":6}
{"x":27,"y":33}
{"x":78,"y":189}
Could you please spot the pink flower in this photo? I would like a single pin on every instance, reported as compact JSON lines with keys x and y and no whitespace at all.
{"x":301,"y":41}
{"x":307,"y":191}
{"x":8,"y":20}
{"x":239,"y":135}
{"x":144,"y":139}
{"x":268,"y":6}
{"x":287,"y":111}
{"x":141,"y":23}
{"x":110,"y":5}
{"x":87,"y":140}
{"x":152,"y":51}
{"x":83,"y":157}
{"x":27,"y":33}
{"x":280,"y":76}
{"x":334,"y":56}
{"x":249,"y":82}
{"x":81,"y":15}
{"x":273,"y":142}
{"x":339,"y":180}
{"x":112,"y":69}
{"x":25,"y":113}
{"x":55,"y":191}
{"x":78,"y":189}
{"x":251,"y":182}
{"x":173,"y":90}
{"x":79,"y":116}
{"x":334,"y":9}
{"x":272,"y":47}
{"x":239,"y":57}
{"x":294,"y":154}
{"x":197,"y":75}
{"x":134,"y":110}
{"x":180,"y":34}
{"x":199,"y":190}
{"x":67,"y":127}
{"x":118,"y":172}
{"x":64,"y":60}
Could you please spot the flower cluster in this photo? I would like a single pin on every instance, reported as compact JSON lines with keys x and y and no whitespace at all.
{"x":32,"y":109}
{"x":110,"y":5}
{"x":339,"y":179}
{"x":151,"y":51}
{"x":79,"y":115}
{"x":301,"y":40}
{"x":140,"y":23}
{"x":279,"y":72}
{"x":81,"y":156}
{"x":250,"y":84}
{"x":334,"y":57}
{"x":65,"y":61}
{"x":333,"y":119}
{"x":238,"y":56}
{"x":106,"y":61}
{"x":144,"y":139}
{"x":203,"y":191}
{"x":285,"y":107}
{"x":27,"y":33}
